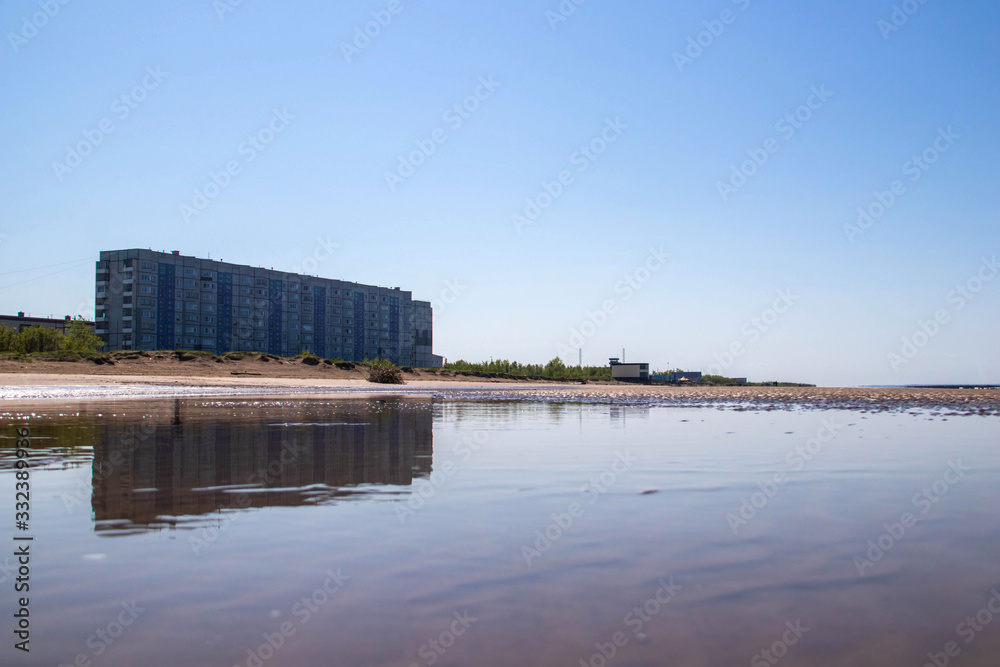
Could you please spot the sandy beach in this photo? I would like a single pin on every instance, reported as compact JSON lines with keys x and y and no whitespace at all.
{"x":21,"y":386}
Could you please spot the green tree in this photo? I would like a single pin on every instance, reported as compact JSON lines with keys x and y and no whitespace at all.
{"x":555,"y":368}
{"x":8,"y":338}
{"x":38,"y":339}
{"x":79,"y":337}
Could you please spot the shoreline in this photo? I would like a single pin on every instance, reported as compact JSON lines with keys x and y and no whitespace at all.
{"x":20,"y":388}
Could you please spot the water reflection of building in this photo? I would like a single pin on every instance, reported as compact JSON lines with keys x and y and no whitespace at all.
{"x":193,"y":461}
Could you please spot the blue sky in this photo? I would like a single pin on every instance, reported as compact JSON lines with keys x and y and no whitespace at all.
{"x":664,"y":132}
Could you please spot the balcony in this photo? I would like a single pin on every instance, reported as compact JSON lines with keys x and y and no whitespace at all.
{"x":101,"y":294}
{"x":101,"y":328}
{"x":102,"y":283}
{"x":101,"y":306}
{"x":127,"y":318}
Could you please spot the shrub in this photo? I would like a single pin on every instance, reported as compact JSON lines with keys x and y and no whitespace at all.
{"x":382,"y":371}
{"x":309,"y":358}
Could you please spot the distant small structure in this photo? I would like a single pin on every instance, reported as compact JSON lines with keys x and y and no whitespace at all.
{"x":740,"y":380}
{"x":685,"y":377}
{"x":629,"y":372}
{"x":20,"y":322}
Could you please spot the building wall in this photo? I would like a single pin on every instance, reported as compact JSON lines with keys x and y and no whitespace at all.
{"x":19,"y":322}
{"x":149,"y":300}
{"x":423,"y":335}
{"x":629,"y":371}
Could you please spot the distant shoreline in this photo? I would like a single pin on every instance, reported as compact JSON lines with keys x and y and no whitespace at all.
{"x":21,"y":389}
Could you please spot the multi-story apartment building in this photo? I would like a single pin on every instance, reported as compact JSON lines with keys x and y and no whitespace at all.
{"x":149,"y":300}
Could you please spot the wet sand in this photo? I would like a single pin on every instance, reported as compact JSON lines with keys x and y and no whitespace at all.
{"x":946,"y":402}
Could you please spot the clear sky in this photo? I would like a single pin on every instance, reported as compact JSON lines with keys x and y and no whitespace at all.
{"x":630,"y":138}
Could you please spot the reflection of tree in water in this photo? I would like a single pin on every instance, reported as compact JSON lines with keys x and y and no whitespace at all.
{"x":188,"y":458}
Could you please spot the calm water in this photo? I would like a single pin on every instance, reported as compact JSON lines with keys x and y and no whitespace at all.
{"x":419,"y":532}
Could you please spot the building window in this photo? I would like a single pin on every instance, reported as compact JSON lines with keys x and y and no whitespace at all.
{"x":145,"y":289}
{"x":189,"y":272}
